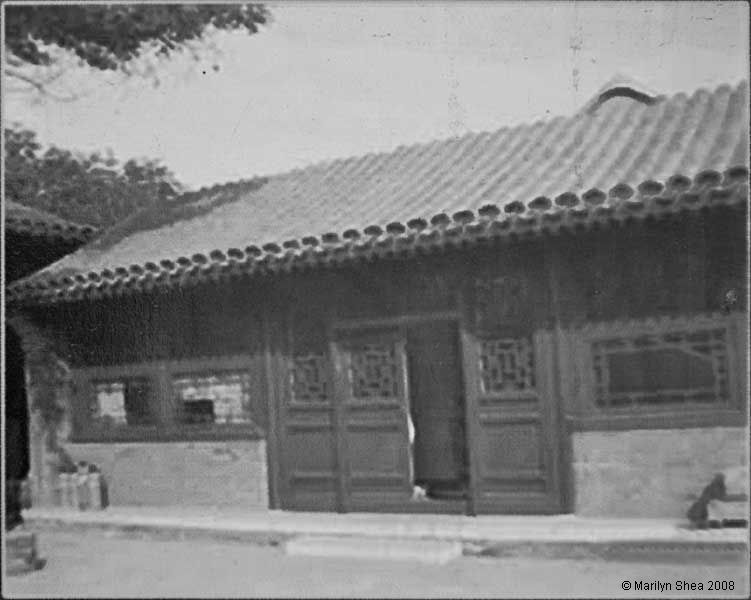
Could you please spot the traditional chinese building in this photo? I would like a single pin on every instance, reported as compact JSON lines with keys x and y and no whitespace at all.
{"x":546,"y":318}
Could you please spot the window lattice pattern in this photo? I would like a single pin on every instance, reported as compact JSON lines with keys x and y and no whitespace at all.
{"x":229,"y":392}
{"x":666,"y":368}
{"x":309,"y":378}
{"x":373,"y":372}
{"x":506,"y":365}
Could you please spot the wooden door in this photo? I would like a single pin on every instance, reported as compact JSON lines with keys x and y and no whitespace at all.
{"x":512,"y":424}
{"x":309,"y":468}
{"x":372,"y":403}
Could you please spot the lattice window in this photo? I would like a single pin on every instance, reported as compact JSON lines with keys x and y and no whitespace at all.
{"x":664,"y":368}
{"x":506,"y":365}
{"x":222,"y":397}
{"x":309,"y":378}
{"x":122,"y":402}
{"x":373,"y":372}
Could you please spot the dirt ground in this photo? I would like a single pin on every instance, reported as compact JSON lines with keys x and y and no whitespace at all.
{"x":99,"y":564}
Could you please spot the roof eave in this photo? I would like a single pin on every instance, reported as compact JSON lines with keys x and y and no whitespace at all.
{"x":567,"y":212}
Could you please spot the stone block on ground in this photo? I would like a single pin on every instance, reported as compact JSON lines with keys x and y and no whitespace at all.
{"x":720,"y":511}
{"x":723,"y":500}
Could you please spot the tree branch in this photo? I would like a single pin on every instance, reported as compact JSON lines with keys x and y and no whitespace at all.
{"x":40,"y":86}
{"x":13,"y":61}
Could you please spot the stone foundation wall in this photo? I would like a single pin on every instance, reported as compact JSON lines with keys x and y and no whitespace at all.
{"x":185,"y":473}
{"x":650,"y":473}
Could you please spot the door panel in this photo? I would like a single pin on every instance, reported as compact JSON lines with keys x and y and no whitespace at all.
{"x":308,"y":450}
{"x":514,"y":427}
{"x":310,"y":456}
{"x":372,"y":388}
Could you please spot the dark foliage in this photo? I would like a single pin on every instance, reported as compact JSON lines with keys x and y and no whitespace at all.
{"x":95,"y":189}
{"x":87,"y":189}
{"x":109,"y":36}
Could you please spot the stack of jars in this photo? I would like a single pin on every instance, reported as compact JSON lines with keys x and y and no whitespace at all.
{"x":80,"y":489}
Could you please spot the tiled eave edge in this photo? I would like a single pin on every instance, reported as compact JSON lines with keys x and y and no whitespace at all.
{"x":50,"y":231}
{"x":567,"y":212}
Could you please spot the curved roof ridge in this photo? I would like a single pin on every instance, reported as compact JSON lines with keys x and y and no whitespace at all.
{"x":621,"y":79}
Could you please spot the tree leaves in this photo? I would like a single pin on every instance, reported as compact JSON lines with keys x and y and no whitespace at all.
{"x":92,"y":189}
{"x":109,"y":36}
{"x":95,"y":189}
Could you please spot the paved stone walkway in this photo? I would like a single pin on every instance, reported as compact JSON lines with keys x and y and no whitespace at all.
{"x":483,"y":529}
{"x":103,"y":564}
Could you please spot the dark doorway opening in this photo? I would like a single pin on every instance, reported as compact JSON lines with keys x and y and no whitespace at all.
{"x":437,"y":410}
{"x":16,"y":455}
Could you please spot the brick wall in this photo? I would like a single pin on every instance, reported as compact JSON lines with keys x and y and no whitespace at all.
{"x":650,"y":473}
{"x":186,"y":473}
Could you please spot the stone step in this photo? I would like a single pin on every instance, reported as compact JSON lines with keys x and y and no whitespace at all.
{"x":421,"y":550}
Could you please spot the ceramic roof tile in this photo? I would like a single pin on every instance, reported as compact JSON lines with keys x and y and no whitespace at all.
{"x":23,"y":219}
{"x":572,"y":163}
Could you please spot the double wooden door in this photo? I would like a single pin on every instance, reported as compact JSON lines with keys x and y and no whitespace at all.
{"x":344,"y":434}
{"x":349,"y":450}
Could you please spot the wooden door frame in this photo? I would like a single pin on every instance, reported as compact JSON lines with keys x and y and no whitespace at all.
{"x":343,"y":488}
{"x":395,"y":322}
{"x":400,"y":323}
{"x":274,"y":416}
{"x":467,"y":348}
{"x":545,"y":348}
{"x":556,"y":383}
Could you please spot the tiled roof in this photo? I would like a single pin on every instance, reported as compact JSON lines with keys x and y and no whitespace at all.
{"x":624,"y":156}
{"x":31,"y":221}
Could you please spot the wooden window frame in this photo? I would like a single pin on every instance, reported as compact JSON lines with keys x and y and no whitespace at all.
{"x":166,"y":428}
{"x":585,"y":415}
